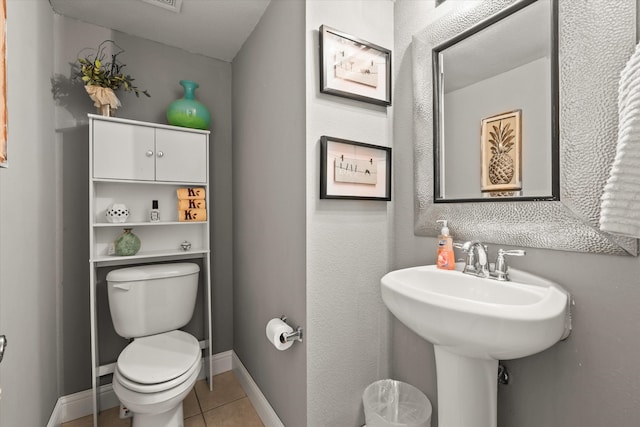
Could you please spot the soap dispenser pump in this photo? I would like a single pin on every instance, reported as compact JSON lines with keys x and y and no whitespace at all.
{"x":446,"y":257}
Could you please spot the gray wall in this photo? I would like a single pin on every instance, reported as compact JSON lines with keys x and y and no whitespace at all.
{"x":589,"y":380}
{"x":157,"y":68}
{"x":348,"y":241}
{"x":269,"y":204}
{"x":29,"y":269}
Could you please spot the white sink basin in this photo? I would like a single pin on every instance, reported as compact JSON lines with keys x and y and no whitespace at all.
{"x":473,"y":323}
{"x":479,"y":317}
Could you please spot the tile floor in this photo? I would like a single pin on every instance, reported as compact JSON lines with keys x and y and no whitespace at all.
{"x":226,"y":406}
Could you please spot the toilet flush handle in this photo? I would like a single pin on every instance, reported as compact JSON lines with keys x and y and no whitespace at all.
{"x":123,"y":286}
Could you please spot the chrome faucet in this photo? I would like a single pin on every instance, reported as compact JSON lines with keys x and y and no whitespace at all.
{"x":477,"y":261}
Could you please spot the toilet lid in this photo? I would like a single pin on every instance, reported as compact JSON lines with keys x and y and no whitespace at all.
{"x":159,"y":358}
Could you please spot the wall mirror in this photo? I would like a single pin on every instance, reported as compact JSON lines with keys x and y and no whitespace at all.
{"x":495,"y":108}
{"x":593,"y":45}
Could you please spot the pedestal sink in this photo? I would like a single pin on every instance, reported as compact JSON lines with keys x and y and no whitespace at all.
{"x":473,"y":323}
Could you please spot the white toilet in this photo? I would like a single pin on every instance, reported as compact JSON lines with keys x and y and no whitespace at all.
{"x":156,"y":371}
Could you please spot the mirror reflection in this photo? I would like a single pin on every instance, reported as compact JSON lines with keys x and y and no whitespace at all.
{"x":495,"y":108}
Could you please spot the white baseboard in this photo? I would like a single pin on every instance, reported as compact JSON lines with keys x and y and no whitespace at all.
{"x":222,"y":362}
{"x":260,"y":403}
{"x":56,"y":415}
{"x":80,"y":404}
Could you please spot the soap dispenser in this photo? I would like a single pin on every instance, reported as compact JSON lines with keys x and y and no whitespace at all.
{"x":446,"y":257}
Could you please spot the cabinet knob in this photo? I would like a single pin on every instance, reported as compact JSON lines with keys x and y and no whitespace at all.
{"x":149,"y":153}
{"x":160,"y":154}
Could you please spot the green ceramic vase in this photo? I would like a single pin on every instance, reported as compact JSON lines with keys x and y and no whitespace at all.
{"x":127,"y":243}
{"x":187,"y":111}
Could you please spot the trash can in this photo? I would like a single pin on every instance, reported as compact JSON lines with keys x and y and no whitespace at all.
{"x":391,"y":403}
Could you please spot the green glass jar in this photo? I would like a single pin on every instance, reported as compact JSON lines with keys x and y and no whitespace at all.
{"x":127,"y":243}
{"x":187,"y":111}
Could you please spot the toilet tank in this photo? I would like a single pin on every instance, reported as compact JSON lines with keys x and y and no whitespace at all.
{"x":152,"y":299}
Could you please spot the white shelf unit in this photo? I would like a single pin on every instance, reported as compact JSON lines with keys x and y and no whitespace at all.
{"x":133,"y":163}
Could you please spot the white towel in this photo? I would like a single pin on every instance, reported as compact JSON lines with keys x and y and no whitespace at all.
{"x":620,"y":202}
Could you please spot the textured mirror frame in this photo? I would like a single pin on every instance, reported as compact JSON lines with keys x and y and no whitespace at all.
{"x":594,"y":45}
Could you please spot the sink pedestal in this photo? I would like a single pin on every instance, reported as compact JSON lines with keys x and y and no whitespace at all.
{"x":467,"y":390}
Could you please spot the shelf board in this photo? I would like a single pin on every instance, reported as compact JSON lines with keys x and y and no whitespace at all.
{"x":144,"y":182}
{"x":145,"y":223}
{"x":148,"y":255}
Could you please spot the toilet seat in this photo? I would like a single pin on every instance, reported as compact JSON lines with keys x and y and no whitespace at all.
{"x":158,"y":403}
{"x":159,"y":387}
{"x":158,"y":362}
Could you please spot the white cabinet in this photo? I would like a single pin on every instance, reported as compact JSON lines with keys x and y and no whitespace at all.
{"x":134,"y":163}
{"x":132,"y":152}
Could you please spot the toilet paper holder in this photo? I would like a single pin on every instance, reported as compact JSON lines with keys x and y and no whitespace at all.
{"x":296,"y":335}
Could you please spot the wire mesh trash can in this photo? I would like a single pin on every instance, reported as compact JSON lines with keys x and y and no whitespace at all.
{"x":391,"y":403}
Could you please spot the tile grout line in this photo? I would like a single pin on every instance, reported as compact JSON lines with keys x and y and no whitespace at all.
{"x":225,"y":404}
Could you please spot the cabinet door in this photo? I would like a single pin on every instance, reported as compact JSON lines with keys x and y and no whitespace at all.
{"x":123,"y":151}
{"x":181,"y":156}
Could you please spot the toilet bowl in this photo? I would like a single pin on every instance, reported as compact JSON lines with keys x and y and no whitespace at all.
{"x":156,"y":371}
{"x":154,"y":374}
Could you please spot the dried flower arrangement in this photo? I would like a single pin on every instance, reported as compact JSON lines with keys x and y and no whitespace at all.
{"x":102,"y":79}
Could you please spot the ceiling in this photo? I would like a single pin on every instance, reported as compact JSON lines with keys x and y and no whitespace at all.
{"x":214,"y":28}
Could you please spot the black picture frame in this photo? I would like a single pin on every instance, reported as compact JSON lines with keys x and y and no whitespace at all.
{"x":365,"y":76}
{"x":354,"y":170}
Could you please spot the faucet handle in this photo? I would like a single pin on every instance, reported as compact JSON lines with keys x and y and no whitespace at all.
{"x":513,"y":252}
{"x":501,"y":265}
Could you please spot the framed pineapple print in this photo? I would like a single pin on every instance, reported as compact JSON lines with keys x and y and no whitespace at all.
{"x":501,"y":152}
